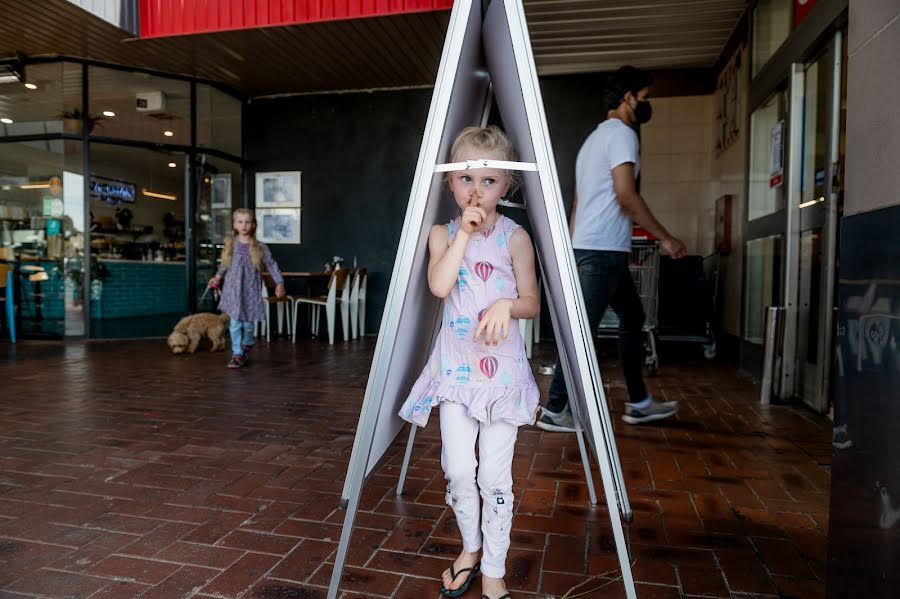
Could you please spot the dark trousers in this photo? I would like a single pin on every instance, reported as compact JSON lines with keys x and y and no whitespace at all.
{"x":606,"y":281}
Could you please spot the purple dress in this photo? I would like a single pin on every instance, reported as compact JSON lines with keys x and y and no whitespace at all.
{"x":494,"y":383}
{"x":242,"y":291}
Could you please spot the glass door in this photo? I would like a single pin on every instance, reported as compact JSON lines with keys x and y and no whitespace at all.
{"x":764,"y":246}
{"x":219,"y":185}
{"x":818,"y":208}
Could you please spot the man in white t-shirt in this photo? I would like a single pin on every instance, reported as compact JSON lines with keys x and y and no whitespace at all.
{"x":606,"y":204}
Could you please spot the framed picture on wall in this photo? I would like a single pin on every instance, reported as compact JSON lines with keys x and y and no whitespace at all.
{"x":220,"y":191}
{"x":278,"y":225}
{"x":279,"y":189}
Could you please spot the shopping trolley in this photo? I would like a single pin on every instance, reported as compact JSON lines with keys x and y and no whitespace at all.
{"x":689,"y":292}
{"x":644,"y":266}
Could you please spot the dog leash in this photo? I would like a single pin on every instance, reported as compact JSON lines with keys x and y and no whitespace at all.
{"x":216,"y":293}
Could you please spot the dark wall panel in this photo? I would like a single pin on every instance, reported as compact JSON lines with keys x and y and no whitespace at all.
{"x":358,"y":155}
{"x":864,"y":520}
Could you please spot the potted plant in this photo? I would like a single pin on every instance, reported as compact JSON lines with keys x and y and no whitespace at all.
{"x":73,"y":118}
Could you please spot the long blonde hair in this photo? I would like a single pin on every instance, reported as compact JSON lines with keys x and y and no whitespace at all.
{"x":255,"y":248}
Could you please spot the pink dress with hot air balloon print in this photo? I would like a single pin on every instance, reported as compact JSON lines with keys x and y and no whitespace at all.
{"x":494,"y":383}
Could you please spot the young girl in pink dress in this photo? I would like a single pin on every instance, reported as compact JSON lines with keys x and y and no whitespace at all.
{"x":482,"y":265}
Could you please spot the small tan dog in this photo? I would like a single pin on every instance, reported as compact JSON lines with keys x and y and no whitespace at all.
{"x":191,"y":329}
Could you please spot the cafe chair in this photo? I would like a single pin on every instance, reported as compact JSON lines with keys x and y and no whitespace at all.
{"x":6,"y":286}
{"x":357,"y":309}
{"x":31,"y":294}
{"x":338,"y":293}
{"x":269,"y":298}
{"x":531,"y":328}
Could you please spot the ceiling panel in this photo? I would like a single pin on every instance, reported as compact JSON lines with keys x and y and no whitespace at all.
{"x":569,"y":36}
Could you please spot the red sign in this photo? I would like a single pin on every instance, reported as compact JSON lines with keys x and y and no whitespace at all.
{"x":776,"y":180}
{"x":801,"y":9}
{"x":161,"y":18}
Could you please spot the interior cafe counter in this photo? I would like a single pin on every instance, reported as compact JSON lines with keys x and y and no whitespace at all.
{"x":119,"y":289}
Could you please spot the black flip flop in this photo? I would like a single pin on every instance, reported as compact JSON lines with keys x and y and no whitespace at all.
{"x":473,"y":572}
{"x":506,"y":596}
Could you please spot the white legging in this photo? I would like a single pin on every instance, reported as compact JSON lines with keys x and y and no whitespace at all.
{"x":496,"y":443}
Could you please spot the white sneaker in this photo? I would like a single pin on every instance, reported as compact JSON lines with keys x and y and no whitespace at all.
{"x":657,"y":410}
{"x":556,"y":422}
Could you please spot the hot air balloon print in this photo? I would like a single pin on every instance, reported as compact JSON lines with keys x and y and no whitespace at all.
{"x":481,"y":314}
{"x":461,"y":279}
{"x":462,"y":326}
{"x":484,"y":270}
{"x":488,"y":366}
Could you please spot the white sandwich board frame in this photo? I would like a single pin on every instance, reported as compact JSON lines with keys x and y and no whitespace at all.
{"x":485,"y":52}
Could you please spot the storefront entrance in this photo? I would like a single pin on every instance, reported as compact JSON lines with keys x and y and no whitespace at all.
{"x":795,"y":197}
{"x":116,"y":188}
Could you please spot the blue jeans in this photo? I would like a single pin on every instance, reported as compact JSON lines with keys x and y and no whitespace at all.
{"x":241,"y":334}
{"x":606,"y":281}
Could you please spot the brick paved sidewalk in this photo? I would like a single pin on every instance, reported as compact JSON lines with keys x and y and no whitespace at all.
{"x":127,"y":472}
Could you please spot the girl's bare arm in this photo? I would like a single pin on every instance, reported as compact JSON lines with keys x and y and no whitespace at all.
{"x":444,"y":261}
{"x":522,"y":253}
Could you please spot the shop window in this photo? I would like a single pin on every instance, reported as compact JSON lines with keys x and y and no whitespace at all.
{"x":218,"y":120}
{"x":219,"y":193}
{"x":772,"y":23}
{"x":762,"y":284}
{"x":137,"y":199}
{"x":139,"y":106}
{"x":47,"y":102}
{"x":767,"y":153}
{"x":42,"y":227}
{"x":137,"y":212}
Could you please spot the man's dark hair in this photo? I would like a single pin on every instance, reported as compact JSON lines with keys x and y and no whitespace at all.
{"x":626,"y":79}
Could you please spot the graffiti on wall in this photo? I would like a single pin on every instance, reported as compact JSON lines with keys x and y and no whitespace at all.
{"x":869,"y":331}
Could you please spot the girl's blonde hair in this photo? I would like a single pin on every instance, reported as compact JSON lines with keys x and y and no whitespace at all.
{"x":490,"y":139}
{"x":255,"y":248}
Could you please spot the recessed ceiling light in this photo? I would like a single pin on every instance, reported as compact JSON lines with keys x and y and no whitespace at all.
{"x":31,"y":86}
{"x":172,"y":165}
{"x":168,"y":133}
{"x":6,"y":121}
{"x":109,"y":113}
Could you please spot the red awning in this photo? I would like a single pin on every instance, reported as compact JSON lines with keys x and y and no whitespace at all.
{"x":160,"y":18}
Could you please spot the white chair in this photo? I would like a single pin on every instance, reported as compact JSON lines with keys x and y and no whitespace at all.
{"x":280,"y":302}
{"x":531,"y":328}
{"x":357,"y":311}
{"x":337,"y":283}
{"x":361,"y":307}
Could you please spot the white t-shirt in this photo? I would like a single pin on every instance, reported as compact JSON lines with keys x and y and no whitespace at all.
{"x":600,"y":222}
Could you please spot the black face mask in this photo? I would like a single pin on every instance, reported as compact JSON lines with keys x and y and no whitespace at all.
{"x":642,"y":112}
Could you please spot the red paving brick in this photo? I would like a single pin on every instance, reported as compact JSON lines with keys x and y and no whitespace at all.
{"x":175,"y":477}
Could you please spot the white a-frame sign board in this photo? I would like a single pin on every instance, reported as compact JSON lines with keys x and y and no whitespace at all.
{"x":485,"y":52}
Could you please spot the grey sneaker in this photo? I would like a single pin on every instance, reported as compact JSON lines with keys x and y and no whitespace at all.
{"x":556,"y":423}
{"x":657,"y":410}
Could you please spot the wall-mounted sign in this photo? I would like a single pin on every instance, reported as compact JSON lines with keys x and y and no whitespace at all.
{"x":776,"y":158}
{"x":110,"y":191}
{"x":801,"y":9}
{"x":53,"y":207}
{"x":728,"y":98}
